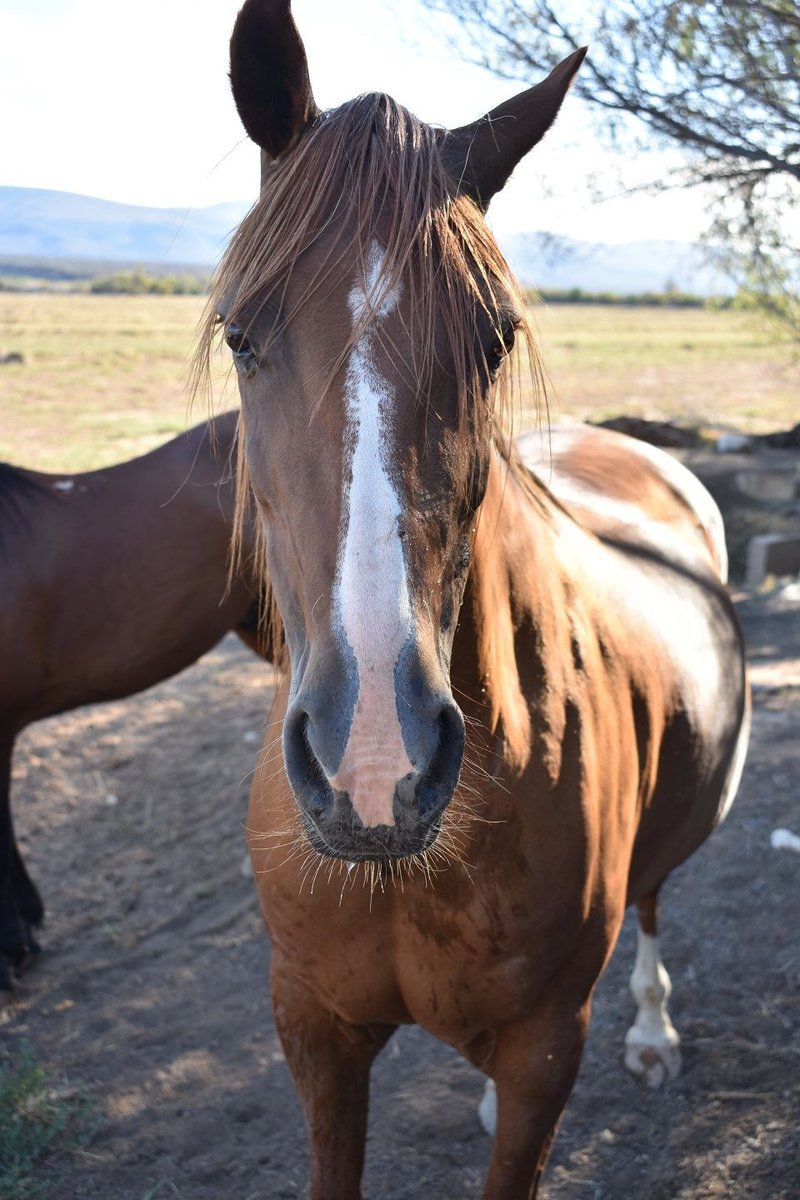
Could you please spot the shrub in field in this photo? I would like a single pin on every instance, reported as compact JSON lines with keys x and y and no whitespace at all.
{"x":139,"y":283}
{"x":672,"y":299}
{"x":37,"y":1121}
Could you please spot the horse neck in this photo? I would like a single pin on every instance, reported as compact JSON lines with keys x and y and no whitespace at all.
{"x":514,"y":624}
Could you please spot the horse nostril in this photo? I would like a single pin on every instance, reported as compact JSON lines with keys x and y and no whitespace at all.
{"x":406,"y":791}
{"x":446,"y":765}
{"x":425,"y":793}
{"x":305,"y":773}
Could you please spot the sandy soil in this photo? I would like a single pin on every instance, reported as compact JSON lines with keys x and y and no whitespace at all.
{"x":152,"y":988}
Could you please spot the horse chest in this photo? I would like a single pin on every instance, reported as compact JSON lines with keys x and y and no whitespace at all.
{"x":464,"y":967}
{"x":456,"y":970}
{"x":457,"y":996}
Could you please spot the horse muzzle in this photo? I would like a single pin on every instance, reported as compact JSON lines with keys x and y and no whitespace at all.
{"x":403,"y":817}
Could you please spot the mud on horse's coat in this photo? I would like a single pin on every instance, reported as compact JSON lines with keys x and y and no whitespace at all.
{"x":574,"y":608}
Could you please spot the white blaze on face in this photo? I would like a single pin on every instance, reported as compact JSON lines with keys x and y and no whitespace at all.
{"x":371,"y":599}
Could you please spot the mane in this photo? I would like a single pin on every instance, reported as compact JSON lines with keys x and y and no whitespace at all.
{"x":18,"y":490}
{"x":375,"y":172}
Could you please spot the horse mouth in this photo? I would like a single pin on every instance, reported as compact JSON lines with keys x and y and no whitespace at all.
{"x":352,"y":843}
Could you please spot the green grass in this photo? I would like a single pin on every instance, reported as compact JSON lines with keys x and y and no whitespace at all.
{"x":38,"y":1123}
{"x":104,"y":377}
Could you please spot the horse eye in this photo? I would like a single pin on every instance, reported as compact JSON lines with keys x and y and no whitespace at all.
{"x":237,"y":339}
{"x":501,"y":346}
{"x":244,"y":356}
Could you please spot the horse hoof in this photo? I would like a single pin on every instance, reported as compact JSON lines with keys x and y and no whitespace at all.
{"x":6,"y":981}
{"x":32,"y":947}
{"x":487,"y":1109}
{"x":14,"y":963}
{"x":655,"y":1061}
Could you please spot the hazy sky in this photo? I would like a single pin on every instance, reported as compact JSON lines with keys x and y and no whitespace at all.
{"x":131,"y":103}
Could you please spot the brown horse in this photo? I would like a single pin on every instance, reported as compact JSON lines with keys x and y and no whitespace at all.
{"x":111,"y":581}
{"x":566,"y":621}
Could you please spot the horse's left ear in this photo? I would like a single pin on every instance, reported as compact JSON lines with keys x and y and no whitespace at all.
{"x":269,"y":76}
{"x":481,"y":156}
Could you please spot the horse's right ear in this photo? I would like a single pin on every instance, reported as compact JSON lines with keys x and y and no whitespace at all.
{"x":269,"y":76}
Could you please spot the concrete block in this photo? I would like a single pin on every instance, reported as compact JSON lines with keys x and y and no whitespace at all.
{"x":769,"y":485}
{"x":772,"y":554}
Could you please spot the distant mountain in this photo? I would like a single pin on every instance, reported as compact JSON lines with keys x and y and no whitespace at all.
{"x":546,"y":261}
{"x":44,"y":224}
{"x":60,"y":225}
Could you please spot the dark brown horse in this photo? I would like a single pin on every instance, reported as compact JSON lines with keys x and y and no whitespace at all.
{"x":110,"y":582}
{"x":561,"y":613}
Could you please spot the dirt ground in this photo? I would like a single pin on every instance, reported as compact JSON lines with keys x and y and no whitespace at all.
{"x":152,"y":987}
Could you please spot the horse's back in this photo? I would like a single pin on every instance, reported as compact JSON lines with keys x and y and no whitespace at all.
{"x":652,"y":572}
{"x":116,"y":578}
{"x":615,"y":484}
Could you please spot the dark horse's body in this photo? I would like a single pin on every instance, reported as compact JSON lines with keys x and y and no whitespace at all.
{"x":111,"y":581}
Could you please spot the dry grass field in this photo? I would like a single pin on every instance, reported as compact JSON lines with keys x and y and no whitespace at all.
{"x":690,"y":364}
{"x":104,"y":377}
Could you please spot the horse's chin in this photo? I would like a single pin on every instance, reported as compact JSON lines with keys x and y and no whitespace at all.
{"x":378,"y":844}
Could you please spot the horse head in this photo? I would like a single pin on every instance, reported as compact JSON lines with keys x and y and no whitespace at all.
{"x":370,"y":315}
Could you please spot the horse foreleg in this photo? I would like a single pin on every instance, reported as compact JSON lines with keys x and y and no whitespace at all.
{"x":330,"y":1061}
{"x":533,"y":1065}
{"x":29,"y":902}
{"x":652,"y":1044}
{"x":16,"y":939}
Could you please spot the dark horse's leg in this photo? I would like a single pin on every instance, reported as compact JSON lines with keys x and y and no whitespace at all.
{"x":330,"y":1061}
{"x":20,"y":904}
{"x":29,"y":902}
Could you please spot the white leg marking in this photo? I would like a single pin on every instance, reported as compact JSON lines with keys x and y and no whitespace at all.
{"x":652,"y":1045}
{"x":372,"y":598}
{"x":487,"y":1109}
